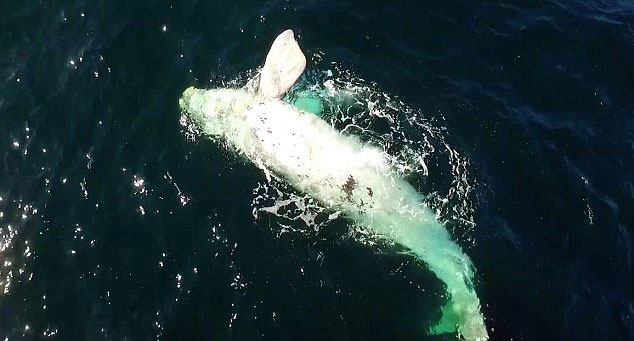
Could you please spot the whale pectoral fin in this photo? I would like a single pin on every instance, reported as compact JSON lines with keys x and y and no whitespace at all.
{"x":283,"y":66}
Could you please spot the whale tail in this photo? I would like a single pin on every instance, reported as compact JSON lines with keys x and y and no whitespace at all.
{"x":429,"y":241}
{"x":283,"y":66}
{"x":461,"y":312}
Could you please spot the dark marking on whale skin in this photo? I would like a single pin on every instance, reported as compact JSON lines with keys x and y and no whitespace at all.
{"x":349,"y":186}
{"x":370,"y":193}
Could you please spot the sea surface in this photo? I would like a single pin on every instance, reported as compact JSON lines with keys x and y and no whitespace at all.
{"x":116,"y":223}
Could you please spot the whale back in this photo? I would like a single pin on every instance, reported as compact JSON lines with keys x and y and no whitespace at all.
{"x":283,"y":66}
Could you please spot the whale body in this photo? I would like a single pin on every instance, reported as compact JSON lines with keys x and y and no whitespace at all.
{"x":340,"y":171}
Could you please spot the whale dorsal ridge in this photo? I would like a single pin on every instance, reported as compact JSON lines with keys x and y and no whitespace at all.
{"x":283,"y":66}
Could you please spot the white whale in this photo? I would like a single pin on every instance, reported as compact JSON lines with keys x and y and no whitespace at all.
{"x":339,"y":170}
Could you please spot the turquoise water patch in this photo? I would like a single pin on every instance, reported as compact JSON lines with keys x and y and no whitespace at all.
{"x":309,"y":102}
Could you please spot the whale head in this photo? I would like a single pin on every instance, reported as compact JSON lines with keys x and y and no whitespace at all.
{"x":209,"y":109}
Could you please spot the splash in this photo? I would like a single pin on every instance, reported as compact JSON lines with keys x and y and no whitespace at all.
{"x":347,"y":164}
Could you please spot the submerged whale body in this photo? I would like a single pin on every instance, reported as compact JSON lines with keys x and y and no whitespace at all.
{"x":339,"y":170}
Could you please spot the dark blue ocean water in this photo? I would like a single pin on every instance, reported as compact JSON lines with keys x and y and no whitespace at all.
{"x":114,"y":225}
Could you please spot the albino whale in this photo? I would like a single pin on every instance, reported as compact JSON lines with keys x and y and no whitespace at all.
{"x":339,"y":170}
